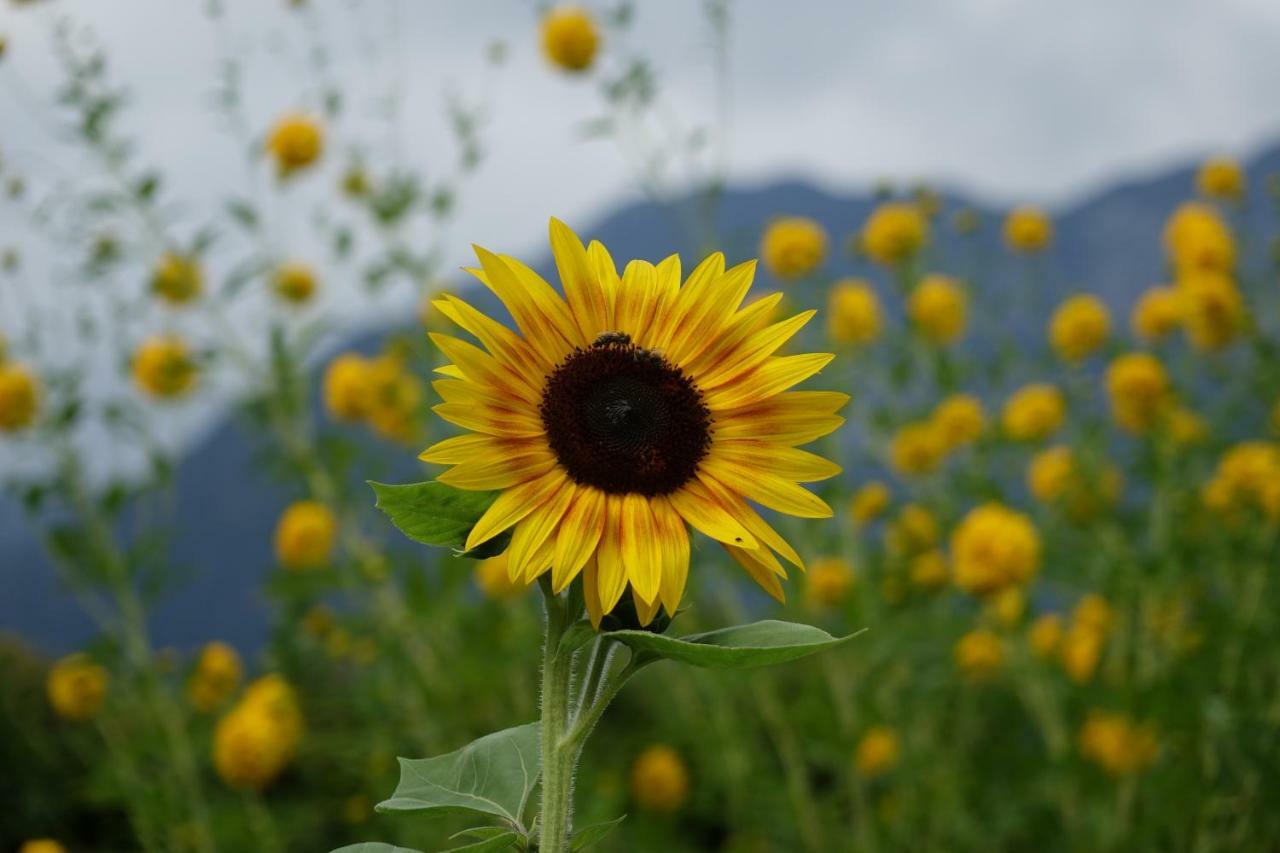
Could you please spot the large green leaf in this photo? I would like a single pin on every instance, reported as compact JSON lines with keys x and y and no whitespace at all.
{"x":593,"y":834}
{"x":742,"y":646}
{"x":373,"y":847}
{"x":493,"y":775}
{"x":432,"y":513}
{"x":504,"y":840}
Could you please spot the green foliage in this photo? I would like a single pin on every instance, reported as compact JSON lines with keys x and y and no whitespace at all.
{"x":433,"y":513}
{"x":761,"y":643}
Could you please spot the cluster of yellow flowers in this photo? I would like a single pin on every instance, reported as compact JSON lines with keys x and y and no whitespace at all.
{"x":1139,"y":391}
{"x":259,"y":736}
{"x":1056,"y":476}
{"x":1248,"y":475}
{"x":215,"y":678}
{"x":921,"y":447}
{"x":379,"y":391}
{"x":938,"y":308}
{"x":76,"y":687}
{"x":1117,"y":744}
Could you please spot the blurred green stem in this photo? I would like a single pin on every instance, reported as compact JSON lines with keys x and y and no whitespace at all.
{"x":556,"y":814}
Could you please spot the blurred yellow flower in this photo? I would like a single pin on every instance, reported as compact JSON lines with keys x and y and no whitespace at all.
{"x":930,"y":570}
{"x":216,"y":676}
{"x":793,"y":246}
{"x":1222,"y":178}
{"x":76,"y":687}
{"x":177,"y":279}
{"x":318,"y":621}
{"x":1212,"y":309}
{"x":992,"y":548}
{"x":1186,"y":427}
{"x":1081,"y":650}
{"x":570,"y":38}
{"x":1028,"y":230}
{"x":1157,"y":313}
{"x":659,"y":779}
{"x":1093,"y":612}
{"x":41,"y":845}
{"x":294,"y":282}
{"x":853,"y":312}
{"x":258,"y":738}
{"x":494,"y":579}
{"x":894,"y":233}
{"x":1079,"y":327}
{"x":917,"y":448}
{"x":1139,"y":391}
{"x":828,"y":581}
{"x":397,"y":399}
{"x":915,"y":529}
{"x":164,"y":368}
{"x":959,"y":419}
{"x":348,"y":387}
{"x":1117,"y":745}
{"x":1247,"y":475}
{"x":869,"y":502}
{"x":19,"y":396}
{"x":356,"y":809}
{"x":295,"y":143}
{"x":305,"y":535}
{"x":877,"y":752}
{"x":1008,"y":606}
{"x":1055,"y":477}
{"x":1034,"y":412}
{"x":1045,"y":635}
{"x":939,"y":308}
{"x":979,"y":654}
{"x":1198,"y":240}
{"x":1049,"y":473}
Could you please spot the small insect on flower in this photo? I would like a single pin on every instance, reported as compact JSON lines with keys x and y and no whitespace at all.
{"x":659,"y":779}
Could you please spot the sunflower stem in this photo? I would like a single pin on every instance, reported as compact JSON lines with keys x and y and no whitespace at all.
{"x":558,"y":759}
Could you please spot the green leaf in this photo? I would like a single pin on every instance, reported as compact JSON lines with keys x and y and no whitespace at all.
{"x":502,"y":841}
{"x":588,"y":835}
{"x":373,"y":847}
{"x":579,"y":634}
{"x":492,"y":775}
{"x":740,"y":647}
{"x":481,"y":833}
{"x":432,"y":513}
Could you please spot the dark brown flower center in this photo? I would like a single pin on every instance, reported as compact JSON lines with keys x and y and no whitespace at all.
{"x":622,"y":419}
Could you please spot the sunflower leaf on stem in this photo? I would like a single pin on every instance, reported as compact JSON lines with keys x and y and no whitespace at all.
{"x":763,"y":643}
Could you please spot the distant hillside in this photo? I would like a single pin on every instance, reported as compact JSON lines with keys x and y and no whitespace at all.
{"x":1108,"y":244}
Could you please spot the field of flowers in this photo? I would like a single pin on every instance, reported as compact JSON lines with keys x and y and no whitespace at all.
{"x":1024,"y":600}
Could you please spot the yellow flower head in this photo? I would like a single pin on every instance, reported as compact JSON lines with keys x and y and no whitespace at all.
{"x":1139,"y":391}
{"x":294,"y":282}
{"x":250,"y":749}
{"x":828,"y":582}
{"x":1198,"y":240}
{"x":1157,"y":313}
{"x":1221,"y":178}
{"x":177,"y":279}
{"x":1049,"y":473}
{"x":164,"y":368}
{"x":1247,"y":475}
{"x":979,"y":654}
{"x":41,"y":845}
{"x":914,"y":530}
{"x":1093,"y":613}
{"x":568,"y":417}
{"x":1081,"y":651}
{"x":877,"y":752}
{"x":396,"y":399}
{"x":1079,"y":327}
{"x":959,"y":419}
{"x":853,"y":312}
{"x":869,"y":502}
{"x":793,"y":246}
{"x":1186,"y":427}
{"x":1118,"y":745}
{"x":1008,"y":606}
{"x":659,"y":779}
{"x":992,"y":548}
{"x":1045,"y":635}
{"x":348,"y":387}
{"x":918,"y":448}
{"x":570,"y":38}
{"x":494,"y":580}
{"x":1212,"y":309}
{"x":296,"y":142}
{"x":19,"y":396}
{"x":216,"y":676}
{"x":76,"y":687}
{"x":305,"y":535}
{"x":939,"y":308}
{"x":895,"y":232}
{"x":1034,"y":412}
{"x":1028,"y":230}
{"x":930,"y":570}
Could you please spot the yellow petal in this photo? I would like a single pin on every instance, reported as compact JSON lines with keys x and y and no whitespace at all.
{"x":490,"y":419}
{"x":535,"y":530}
{"x":637,"y":299}
{"x":767,"y":489}
{"x":578,"y":536}
{"x":755,"y":350}
{"x":675,"y":553}
{"x":480,"y":367}
{"x":611,"y":578}
{"x":773,"y":377}
{"x":763,"y":567}
{"x":606,"y":274}
{"x":504,"y":344}
{"x":641,"y":548}
{"x":744,"y":324}
{"x":752,"y":520}
{"x":499,"y":469}
{"x":591,"y":591}
{"x":586,"y":297}
{"x":692,"y":298}
{"x":543,"y":318}
{"x":513,"y":505}
{"x":459,"y":448}
{"x":645,"y":610}
{"x":704,"y":323}
{"x":703,"y":512}
{"x":786,"y":462}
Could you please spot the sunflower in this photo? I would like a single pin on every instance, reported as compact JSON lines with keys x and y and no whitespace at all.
{"x":626,"y":412}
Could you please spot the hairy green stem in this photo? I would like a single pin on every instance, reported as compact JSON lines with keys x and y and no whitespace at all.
{"x":558,"y":758}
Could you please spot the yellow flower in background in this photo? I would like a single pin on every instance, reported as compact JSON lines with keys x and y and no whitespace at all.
{"x":1079,"y":327}
{"x":853,"y":312}
{"x":164,"y":368}
{"x":979,"y":654}
{"x":1186,"y":427}
{"x":1197,"y":240}
{"x":917,"y":448}
{"x":915,"y":529}
{"x":1118,"y":745}
{"x":570,"y":38}
{"x":1034,"y":412}
{"x":793,"y":246}
{"x":494,"y":579}
{"x":294,"y":282}
{"x":569,"y":417}
{"x":1081,"y":650}
{"x":19,"y":396}
{"x":659,"y":779}
{"x":959,"y":419}
{"x":41,"y":845}
{"x":1028,"y":230}
{"x":76,"y":687}
{"x":1008,"y":606}
{"x":348,"y":387}
{"x":295,"y":143}
{"x":869,"y":502}
{"x":1212,"y":309}
{"x":1093,"y":612}
{"x":394,"y":410}
{"x":1049,"y":473}
{"x":992,"y":548}
{"x":1045,"y":635}
{"x":877,"y":752}
{"x":305,"y":535}
{"x":828,"y":581}
{"x":1139,"y":391}
{"x":930,"y":570}
{"x":1157,"y":313}
{"x":939,"y":308}
{"x":894,"y":233}
{"x":216,"y":676}
{"x":1221,"y":178}
{"x":256,"y":740}
{"x":1247,"y":475}
{"x":177,"y":279}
